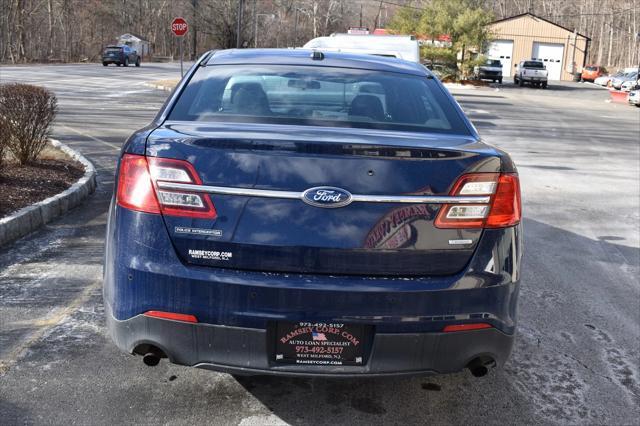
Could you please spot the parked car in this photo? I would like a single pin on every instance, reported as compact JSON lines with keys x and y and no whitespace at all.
{"x":443,"y":70}
{"x":490,"y":70}
{"x":259,"y":226}
{"x":634,"y":97}
{"x":616,"y":82}
{"x":629,"y":85}
{"x":605,"y":79}
{"x":120,"y":55}
{"x":532,"y":72}
{"x":592,"y":72}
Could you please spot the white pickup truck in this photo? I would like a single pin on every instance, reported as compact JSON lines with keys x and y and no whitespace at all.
{"x":532,"y":72}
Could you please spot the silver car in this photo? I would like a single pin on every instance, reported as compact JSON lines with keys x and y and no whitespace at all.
{"x":634,"y":98}
{"x":616,"y":82}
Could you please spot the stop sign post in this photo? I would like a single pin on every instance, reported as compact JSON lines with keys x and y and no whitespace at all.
{"x":179,"y":27}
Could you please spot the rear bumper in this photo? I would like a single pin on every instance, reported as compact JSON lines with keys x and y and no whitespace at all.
{"x":248,"y":351}
{"x":536,"y":79}
{"x":489,"y":75}
{"x":237,"y":309}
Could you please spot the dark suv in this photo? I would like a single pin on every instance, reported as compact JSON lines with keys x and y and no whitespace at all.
{"x":120,"y":55}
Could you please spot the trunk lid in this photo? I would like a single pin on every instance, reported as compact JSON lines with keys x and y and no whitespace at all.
{"x":289,"y":235}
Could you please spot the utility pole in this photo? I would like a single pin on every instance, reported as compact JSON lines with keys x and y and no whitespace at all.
{"x":295,"y":29}
{"x":638,"y":41}
{"x":194,"y":31}
{"x":573,"y":55}
{"x":360,"y":15}
{"x":239,"y":23}
{"x":255,"y":23}
{"x":255,"y":27}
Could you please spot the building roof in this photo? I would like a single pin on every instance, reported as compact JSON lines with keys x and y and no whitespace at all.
{"x":303,"y":57}
{"x":540,"y":18}
{"x":129,"y":35}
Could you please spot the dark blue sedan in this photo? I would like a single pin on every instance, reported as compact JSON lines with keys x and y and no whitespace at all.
{"x":302,"y":213}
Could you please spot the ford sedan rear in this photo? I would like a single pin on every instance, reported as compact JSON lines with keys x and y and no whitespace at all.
{"x":301,"y":213}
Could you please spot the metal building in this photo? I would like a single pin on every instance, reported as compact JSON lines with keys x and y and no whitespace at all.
{"x":527,"y":36}
{"x":142,"y":46}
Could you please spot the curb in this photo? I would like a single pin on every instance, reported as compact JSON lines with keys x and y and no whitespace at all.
{"x":30,"y":218}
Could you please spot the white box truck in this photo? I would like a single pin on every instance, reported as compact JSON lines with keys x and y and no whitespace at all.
{"x":396,"y":46}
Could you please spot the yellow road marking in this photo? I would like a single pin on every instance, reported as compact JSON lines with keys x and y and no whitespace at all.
{"x":45,"y":324}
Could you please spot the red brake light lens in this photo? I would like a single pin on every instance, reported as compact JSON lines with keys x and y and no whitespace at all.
{"x":503,"y":210}
{"x":135,"y":190}
{"x":138,"y":187}
{"x":506,"y":206}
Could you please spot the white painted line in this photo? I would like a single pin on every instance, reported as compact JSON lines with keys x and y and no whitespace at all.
{"x":112,"y":145}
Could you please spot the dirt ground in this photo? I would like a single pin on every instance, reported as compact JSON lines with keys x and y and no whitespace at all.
{"x":21,"y":186}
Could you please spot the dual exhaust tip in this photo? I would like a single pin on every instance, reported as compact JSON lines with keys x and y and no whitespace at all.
{"x":151,"y":356}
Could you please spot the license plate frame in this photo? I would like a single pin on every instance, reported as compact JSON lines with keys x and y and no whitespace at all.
{"x":321,"y":343}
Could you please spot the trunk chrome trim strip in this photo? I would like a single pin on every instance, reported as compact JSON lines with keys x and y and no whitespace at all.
{"x":267,"y":193}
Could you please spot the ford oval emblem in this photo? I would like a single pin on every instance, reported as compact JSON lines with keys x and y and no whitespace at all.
{"x":327,"y":197}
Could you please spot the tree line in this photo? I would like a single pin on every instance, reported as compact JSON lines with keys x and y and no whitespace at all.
{"x":78,"y":30}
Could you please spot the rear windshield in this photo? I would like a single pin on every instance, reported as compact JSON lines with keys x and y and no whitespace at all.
{"x":318,"y":96}
{"x":533,"y":64}
{"x":493,"y":63}
{"x":591,"y":68}
{"x":113,"y":49}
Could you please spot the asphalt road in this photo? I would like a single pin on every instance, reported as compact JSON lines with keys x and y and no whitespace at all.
{"x":577,"y":354}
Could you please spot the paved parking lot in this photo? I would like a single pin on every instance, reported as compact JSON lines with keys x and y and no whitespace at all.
{"x":577,"y":357}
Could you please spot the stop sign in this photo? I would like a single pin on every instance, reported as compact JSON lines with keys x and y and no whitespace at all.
{"x":179,"y":26}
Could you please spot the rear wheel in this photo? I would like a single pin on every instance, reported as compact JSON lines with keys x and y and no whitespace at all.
{"x":118,"y":64}
{"x":104,"y":64}
{"x":500,"y":80}
{"x":126,"y":62}
{"x":544,"y":85}
{"x":520,"y":83}
{"x":138,"y":62}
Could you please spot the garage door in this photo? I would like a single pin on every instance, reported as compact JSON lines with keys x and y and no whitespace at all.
{"x":551,"y":54}
{"x":502,"y":50}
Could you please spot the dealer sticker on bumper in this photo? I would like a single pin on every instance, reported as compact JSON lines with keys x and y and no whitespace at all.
{"x":321,"y":343}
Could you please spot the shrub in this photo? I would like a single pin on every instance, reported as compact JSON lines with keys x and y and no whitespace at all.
{"x":26,"y":113}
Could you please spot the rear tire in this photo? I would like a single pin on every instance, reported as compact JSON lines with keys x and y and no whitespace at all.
{"x":104,"y":64}
{"x":138,"y":62}
{"x":500,"y":80}
{"x":544,"y":85}
{"x":119,"y":64}
{"x":126,"y":62}
{"x":520,"y":83}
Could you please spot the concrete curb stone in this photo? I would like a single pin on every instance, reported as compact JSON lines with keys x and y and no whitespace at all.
{"x":28,"y":219}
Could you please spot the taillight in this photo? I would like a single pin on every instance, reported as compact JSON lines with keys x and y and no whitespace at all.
{"x":135,"y":190}
{"x":503,"y":210}
{"x":137,"y":187}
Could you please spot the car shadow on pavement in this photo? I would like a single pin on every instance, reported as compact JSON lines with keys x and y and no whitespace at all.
{"x":550,"y":378}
